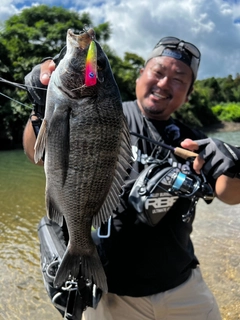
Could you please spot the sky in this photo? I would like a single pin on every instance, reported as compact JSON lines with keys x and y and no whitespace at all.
{"x":137,"y":25}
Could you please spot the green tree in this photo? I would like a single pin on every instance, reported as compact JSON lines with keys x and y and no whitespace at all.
{"x":126,"y":72}
{"x":26,"y":38}
{"x":227,"y":111}
{"x":227,"y":86}
{"x":197,"y":112}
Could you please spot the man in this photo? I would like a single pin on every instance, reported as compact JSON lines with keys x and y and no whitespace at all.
{"x":152,"y":272}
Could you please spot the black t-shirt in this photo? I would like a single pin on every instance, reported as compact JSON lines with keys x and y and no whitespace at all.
{"x":141,"y":260}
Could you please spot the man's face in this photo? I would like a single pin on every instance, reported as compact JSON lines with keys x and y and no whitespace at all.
{"x":163,"y":87}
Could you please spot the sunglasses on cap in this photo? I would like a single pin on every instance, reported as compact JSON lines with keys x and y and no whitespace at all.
{"x":176,"y":43}
{"x":178,"y":49}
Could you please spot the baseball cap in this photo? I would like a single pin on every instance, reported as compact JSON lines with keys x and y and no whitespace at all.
{"x":180,"y":50}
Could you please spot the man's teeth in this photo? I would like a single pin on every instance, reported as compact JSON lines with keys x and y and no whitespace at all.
{"x":158,"y":95}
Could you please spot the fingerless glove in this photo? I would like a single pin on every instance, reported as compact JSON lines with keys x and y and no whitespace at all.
{"x":220,"y":158}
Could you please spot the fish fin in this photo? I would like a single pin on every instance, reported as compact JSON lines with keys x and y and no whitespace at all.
{"x":126,"y":156}
{"x":69,"y":265}
{"x":60,"y":134}
{"x":52,"y":212}
{"x":40,"y":142}
{"x":91,"y":268}
{"x":121,"y":172}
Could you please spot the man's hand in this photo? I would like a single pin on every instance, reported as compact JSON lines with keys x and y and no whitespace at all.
{"x":37,"y":81}
{"x":215,"y":157}
{"x":47,"y":68}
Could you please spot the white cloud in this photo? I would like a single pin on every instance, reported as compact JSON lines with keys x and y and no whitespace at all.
{"x":7,"y":9}
{"x":138,"y":25}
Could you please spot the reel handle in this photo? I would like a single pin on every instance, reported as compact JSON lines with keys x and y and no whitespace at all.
{"x":183,"y":153}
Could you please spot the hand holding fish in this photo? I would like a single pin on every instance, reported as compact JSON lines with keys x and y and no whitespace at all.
{"x":47,"y":67}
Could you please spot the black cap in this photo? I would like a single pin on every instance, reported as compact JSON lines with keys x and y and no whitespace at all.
{"x":180,"y":50}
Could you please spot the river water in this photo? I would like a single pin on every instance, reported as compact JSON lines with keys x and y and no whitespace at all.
{"x":216,"y":237}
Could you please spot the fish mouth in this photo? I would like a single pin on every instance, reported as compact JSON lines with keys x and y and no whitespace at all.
{"x":81,"y":40}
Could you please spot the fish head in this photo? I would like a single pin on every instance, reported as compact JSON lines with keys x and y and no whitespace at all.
{"x":85,"y":69}
{"x":79,"y":42}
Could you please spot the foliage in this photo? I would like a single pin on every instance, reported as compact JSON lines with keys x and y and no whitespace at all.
{"x":26,"y":38}
{"x":40,"y":31}
{"x":227,"y":111}
{"x":197,"y":112}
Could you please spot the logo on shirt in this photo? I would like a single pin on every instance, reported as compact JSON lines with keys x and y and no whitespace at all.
{"x":160,"y":202}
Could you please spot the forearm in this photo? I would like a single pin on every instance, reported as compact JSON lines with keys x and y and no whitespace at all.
{"x":228,"y":190}
{"x":37,"y":81}
{"x":29,"y":139}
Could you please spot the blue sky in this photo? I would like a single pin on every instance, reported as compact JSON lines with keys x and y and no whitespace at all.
{"x":137,"y":25}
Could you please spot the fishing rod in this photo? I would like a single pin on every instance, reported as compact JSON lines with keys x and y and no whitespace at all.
{"x":182,"y":153}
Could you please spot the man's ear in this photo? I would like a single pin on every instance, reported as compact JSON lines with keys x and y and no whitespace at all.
{"x":189,"y":93}
{"x":140,"y":73}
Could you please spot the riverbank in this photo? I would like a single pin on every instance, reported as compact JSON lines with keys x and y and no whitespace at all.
{"x":223,"y":126}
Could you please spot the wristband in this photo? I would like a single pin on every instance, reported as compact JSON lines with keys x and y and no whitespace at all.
{"x":36,"y":123}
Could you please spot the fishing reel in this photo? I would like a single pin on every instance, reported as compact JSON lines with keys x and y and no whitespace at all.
{"x":187,"y":185}
{"x":160,"y":185}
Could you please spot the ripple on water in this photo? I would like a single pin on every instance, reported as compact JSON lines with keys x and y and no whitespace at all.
{"x":216,"y":237}
{"x":22,"y":293}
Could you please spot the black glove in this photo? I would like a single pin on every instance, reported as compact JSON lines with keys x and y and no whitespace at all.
{"x":37,"y":91}
{"x":220,"y":158}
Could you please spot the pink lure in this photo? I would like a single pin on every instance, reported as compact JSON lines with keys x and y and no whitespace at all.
{"x":91,"y":65}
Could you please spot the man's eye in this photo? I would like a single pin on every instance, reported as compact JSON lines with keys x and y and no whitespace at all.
{"x":157,"y":73}
{"x":178,"y":80}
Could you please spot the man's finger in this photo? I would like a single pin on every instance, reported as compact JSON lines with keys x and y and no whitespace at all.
{"x":47,"y":68}
{"x":198,"y":164}
{"x":189,"y":144}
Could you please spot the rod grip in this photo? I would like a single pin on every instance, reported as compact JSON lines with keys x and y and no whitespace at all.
{"x":183,"y":153}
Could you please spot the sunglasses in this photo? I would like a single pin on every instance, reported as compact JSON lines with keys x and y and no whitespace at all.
{"x":176,"y":43}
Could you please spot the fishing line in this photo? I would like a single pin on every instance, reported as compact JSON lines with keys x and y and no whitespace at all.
{"x":25,"y":105}
{"x":15,"y":84}
{"x":20,"y":86}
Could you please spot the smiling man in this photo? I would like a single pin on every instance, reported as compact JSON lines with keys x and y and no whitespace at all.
{"x":152,"y":271}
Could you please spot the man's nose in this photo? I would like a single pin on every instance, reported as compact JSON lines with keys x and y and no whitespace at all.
{"x":163,"y":82}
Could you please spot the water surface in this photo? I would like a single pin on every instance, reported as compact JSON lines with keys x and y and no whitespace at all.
{"x":216,"y":237}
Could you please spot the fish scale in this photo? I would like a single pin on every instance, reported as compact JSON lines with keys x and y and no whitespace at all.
{"x":86,"y":142}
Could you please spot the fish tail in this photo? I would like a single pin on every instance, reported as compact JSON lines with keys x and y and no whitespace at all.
{"x":69,"y":265}
{"x":92,"y":269}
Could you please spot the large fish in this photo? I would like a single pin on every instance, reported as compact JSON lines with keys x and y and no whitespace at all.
{"x":87,"y":152}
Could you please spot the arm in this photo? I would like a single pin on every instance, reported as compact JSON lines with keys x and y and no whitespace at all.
{"x":38,"y":78}
{"x":228,"y":189}
{"x":29,"y":139}
{"x":214,"y":159}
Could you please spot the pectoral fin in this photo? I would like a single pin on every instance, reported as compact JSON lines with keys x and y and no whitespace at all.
{"x":40,"y":142}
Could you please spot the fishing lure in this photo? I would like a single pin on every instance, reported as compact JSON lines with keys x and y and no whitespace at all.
{"x":91,"y":65}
